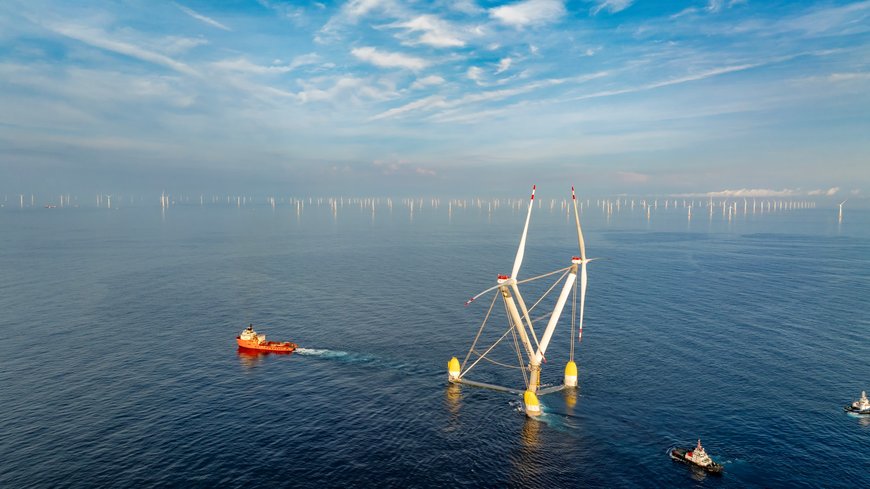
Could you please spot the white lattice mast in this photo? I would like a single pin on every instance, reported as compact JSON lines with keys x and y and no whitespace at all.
{"x":507,"y":286}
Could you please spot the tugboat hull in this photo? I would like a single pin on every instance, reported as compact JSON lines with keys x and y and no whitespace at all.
{"x":679,"y":454}
{"x":272,"y":346}
{"x":854,"y":410}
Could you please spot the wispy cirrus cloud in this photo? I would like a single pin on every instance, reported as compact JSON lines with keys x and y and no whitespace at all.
{"x":712,"y":7}
{"x":528,"y":13}
{"x":441,"y":102}
{"x":839,"y":77}
{"x":243,"y":65}
{"x":745,"y":192}
{"x":673,"y":81}
{"x":434,"y":31}
{"x":202,"y":18}
{"x":475,"y":74}
{"x":429,"y":81}
{"x":179,"y":44}
{"x":344,"y":88}
{"x":395,"y":166}
{"x":97,"y":38}
{"x":386,"y":59}
{"x":350,"y":14}
{"x":612,"y":6}
{"x":427,"y":103}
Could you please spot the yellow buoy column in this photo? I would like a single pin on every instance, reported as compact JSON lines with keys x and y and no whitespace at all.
{"x":571,"y":374}
{"x":533,"y":406}
{"x":453,"y":370}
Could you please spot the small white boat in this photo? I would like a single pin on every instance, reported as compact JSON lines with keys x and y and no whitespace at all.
{"x":861,"y":406}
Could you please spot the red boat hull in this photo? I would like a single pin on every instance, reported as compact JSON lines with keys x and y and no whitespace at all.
{"x":276,"y":346}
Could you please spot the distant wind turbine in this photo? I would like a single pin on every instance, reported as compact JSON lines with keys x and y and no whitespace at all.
{"x":840,"y":218}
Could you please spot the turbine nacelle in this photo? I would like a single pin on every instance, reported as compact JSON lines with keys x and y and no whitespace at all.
{"x":504,"y":279}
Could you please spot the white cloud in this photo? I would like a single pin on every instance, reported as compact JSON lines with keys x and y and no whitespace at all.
{"x":177,"y":45}
{"x":466,"y":7}
{"x":837,"y":77}
{"x":424,"y":103}
{"x":612,"y":6}
{"x":428,"y":81}
{"x":396,"y":166}
{"x":97,"y":38}
{"x":358,"y":8}
{"x":674,"y":81}
{"x":351,"y":12}
{"x":752,"y":192}
{"x":684,"y":12}
{"x":344,"y":88}
{"x":714,"y":6}
{"x":389,"y":60}
{"x":203,"y":18}
{"x":474,"y":73}
{"x":435,"y":31}
{"x":439,"y":102}
{"x":830,"y":192}
{"x":528,"y":12}
{"x":503,"y":65}
{"x":245,"y":66}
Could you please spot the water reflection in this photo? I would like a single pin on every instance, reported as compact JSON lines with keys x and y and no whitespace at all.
{"x":454,"y":398}
{"x":527,"y":464}
{"x":250,"y":358}
{"x":570,"y":395}
{"x":863,"y":420}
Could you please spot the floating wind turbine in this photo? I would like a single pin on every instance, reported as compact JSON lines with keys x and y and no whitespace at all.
{"x":531,"y":352}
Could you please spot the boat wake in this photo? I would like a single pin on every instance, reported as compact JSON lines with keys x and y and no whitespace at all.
{"x":560,"y":421}
{"x":335,"y":355}
{"x":372,"y":361}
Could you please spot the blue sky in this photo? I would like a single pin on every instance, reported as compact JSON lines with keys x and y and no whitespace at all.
{"x":382,"y":97}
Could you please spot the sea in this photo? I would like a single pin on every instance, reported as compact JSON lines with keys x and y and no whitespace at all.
{"x":119,"y":366}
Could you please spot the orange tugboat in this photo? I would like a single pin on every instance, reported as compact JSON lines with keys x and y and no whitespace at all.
{"x":249,"y":339}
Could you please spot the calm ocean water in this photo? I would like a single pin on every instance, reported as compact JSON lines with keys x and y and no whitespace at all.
{"x":120,"y":369}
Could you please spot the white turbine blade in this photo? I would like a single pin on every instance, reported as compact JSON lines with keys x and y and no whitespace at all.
{"x":522,"y":249}
{"x":469,"y":301}
{"x":583,"y":262}
{"x":582,"y":299}
{"x":554,"y":318}
{"x":579,"y":231}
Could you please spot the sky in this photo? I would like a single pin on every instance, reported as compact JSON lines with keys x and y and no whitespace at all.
{"x":464,"y":97}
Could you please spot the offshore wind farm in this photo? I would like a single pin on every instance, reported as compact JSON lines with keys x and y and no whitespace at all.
{"x":719,"y":312}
